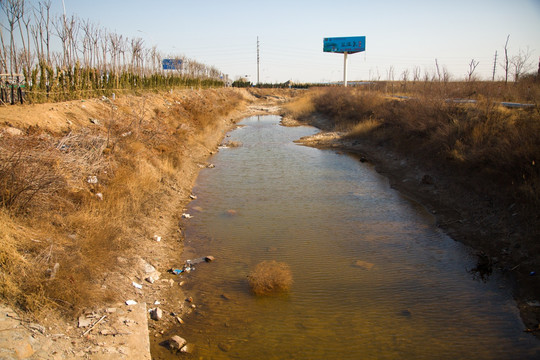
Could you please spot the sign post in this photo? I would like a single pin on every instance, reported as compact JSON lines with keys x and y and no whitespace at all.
{"x":345,"y":46}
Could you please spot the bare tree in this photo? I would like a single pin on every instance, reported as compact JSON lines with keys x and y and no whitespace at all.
{"x":472,"y":67}
{"x":416,"y":74}
{"x":506,"y":64}
{"x":13,"y":11}
{"x":438,"y":70}
{"x":521,"y":63}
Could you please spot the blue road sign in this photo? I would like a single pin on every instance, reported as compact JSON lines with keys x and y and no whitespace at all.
{"x":350,"y":44}
{"x":172,"y":64}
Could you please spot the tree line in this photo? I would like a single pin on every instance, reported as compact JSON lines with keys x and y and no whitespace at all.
{"x":91,"y":60}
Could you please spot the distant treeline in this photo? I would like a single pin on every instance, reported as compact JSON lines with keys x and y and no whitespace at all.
{"x":92,"y":61}
{"x":285,"y":85}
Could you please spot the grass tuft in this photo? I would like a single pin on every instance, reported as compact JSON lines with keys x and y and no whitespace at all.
{"x":270,"y":277}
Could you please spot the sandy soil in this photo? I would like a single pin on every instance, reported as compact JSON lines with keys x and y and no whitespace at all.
{"x":502,"y":237}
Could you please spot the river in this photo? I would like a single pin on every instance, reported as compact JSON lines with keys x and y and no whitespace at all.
{"x":374,"y":278}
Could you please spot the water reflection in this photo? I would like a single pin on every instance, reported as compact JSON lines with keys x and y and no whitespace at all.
{"x":373,"y":276}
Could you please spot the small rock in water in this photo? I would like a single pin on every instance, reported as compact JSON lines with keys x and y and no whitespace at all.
{"x":405,"y":313}
{"x":176,"y":342}
{"x":363,"y":264}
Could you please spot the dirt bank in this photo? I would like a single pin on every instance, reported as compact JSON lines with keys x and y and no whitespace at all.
{"x":109,"y":228}
{"x":500,"y":235}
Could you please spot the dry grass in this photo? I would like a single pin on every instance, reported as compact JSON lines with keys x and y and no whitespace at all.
{"x":300,"y":106}
{"x":270,"y":277}
{"x":497,"y":145}
{"x":62,"y":233}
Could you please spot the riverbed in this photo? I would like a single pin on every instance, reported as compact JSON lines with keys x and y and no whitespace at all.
{"x":374,"y":278}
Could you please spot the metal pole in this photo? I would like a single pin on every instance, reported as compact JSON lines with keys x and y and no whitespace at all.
{"x":257,"y":60}
{"x":345,"y":69}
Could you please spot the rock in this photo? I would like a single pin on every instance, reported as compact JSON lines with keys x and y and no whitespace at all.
{"x":13,"y":131}
{"x":110,"y":310}
{"x":225,"y":347}
{"x":176,"y":342}
{"x":363,"y":264}
{"x":156,"y":314}
{"x":94,"y":121}
{"x":84,"y":321}
{"x":209,"y":258}
{"x":405,"y":313}
{"x":187,"y":349}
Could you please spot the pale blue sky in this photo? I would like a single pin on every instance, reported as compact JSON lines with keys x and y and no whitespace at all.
{"x":401,"y":34}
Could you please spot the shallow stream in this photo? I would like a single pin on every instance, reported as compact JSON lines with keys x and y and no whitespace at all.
{"x":373,"y":276}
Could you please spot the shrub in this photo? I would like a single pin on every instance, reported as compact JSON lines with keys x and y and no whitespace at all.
{"x":270,"y":277}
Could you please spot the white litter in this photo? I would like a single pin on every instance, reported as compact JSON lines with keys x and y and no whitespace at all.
{"x":138,"y":286}
{"x":186,"y":216}
{"x":131,"y":302}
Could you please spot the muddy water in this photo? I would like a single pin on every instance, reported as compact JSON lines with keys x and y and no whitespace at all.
{"x":373,"y":277}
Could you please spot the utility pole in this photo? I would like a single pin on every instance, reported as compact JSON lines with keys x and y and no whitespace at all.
{"x":494,"y":66}
{"x":258,"y":60}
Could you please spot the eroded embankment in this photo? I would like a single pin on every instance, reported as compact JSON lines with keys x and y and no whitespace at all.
{"x":92,"y":192}
{"x":494,"y":231}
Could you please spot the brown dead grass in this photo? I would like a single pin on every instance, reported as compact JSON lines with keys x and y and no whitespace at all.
{"x":499,"y":146}
{"x":62,"y":234}
{"x":270,"y":277}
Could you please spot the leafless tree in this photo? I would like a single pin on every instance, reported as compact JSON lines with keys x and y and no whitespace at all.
{"x":506,"y":64}
{"x":13,"y":10}
{"x":416,"y":74}
{"x":115,"y":46}
{"x":136,"y":54}
{"x":521,"y":63}
{"x":472,"y":67}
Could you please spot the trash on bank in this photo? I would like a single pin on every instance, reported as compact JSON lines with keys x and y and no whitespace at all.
{"x":131,"y":302}
{"x":138,"y":286}
{"x":186,"y":216}
{"x":188,"y":266}
{"x":157,"y":238}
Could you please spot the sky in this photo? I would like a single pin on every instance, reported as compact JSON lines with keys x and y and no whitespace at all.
{"x":400,"y":35}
